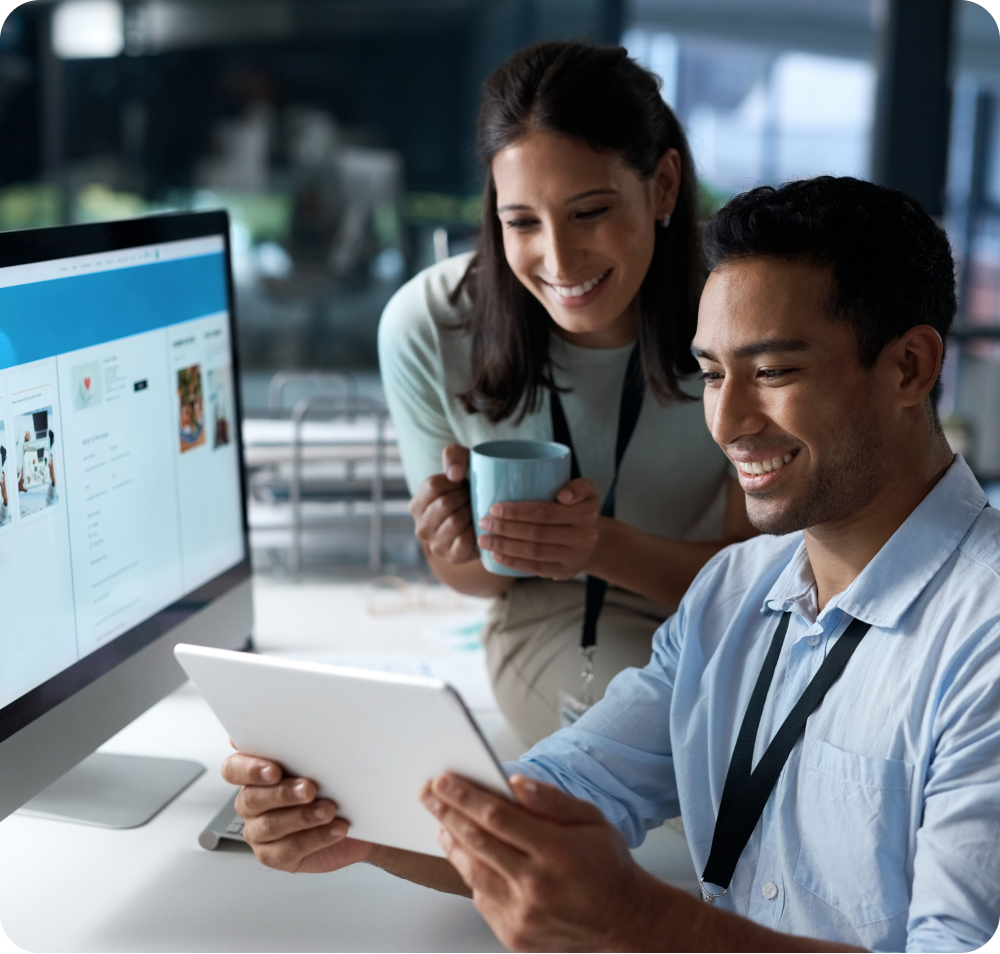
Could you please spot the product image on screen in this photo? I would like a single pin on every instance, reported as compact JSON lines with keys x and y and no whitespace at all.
{"x":220,"y":400}
{"x":34,"y":440}
{"x":5,"y":494}
{"x":87,"y":390}
{"x":104,"y":524}
{"x":192,"y":407}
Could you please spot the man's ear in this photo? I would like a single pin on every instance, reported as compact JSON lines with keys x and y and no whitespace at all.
{"x":916,"y":357}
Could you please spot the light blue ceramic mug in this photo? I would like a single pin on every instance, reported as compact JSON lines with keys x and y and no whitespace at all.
{"x":505,"y":471}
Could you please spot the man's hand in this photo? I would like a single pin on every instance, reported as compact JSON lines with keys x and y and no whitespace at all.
{"x":285,"y":824}
{"x":549,"y":873}
{"x":442,"y":510}
{"x":3,"y":487}
{"x":553,"y":540}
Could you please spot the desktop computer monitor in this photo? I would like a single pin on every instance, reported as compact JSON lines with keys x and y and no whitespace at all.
{"x":122,"y":520}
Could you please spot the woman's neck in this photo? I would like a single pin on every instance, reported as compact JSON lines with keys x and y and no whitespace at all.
{"x":622,"y":331}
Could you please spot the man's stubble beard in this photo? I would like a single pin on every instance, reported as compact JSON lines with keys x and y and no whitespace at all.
{"x":846,"y":484}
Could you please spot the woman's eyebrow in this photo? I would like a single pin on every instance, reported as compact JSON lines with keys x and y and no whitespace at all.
{"x":573,"y":198}
{"x":591,"y":192}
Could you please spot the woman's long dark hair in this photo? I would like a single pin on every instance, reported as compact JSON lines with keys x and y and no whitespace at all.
{"x":599,"y":95}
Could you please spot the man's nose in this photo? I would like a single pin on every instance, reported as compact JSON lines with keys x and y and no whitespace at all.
{"x":732,"y":411}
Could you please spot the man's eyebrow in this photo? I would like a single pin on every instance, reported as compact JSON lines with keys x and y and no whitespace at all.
{"x":573,"y":198}
{"x":757,"y":348}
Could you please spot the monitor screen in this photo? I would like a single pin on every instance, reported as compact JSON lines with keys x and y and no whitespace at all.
{"x":122,"y":500}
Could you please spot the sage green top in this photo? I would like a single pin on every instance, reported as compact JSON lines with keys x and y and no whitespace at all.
{"x":673,"y":475}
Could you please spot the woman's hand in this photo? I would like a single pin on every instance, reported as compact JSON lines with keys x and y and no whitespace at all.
{"x":442,"y":510}
{"x":285,"y":824}
{"x":553,"y":540}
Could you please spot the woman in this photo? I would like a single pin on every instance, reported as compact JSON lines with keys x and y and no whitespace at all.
{"x":573,"y":320}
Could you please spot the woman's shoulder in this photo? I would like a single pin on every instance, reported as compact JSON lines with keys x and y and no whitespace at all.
{"x":424,"y":304}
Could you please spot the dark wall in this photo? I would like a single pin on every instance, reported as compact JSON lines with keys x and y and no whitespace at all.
{"x":397,"y":92}
{"x":408,"y":82}
{"x":20,"y":142}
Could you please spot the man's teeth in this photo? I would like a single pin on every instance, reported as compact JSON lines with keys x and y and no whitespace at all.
{"x":575,"y":291}
{"x":764,"y":466}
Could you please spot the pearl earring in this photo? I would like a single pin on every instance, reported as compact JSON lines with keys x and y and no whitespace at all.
{"x":665,"y":220}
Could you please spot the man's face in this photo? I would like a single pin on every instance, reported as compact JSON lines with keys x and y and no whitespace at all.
{"x":786,"y":396}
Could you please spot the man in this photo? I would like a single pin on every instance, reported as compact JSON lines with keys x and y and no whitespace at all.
{"x":820,"y":336}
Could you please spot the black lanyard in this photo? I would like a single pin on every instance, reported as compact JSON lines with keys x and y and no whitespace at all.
{"x":628,"y":413}
{"x":746,"y":793}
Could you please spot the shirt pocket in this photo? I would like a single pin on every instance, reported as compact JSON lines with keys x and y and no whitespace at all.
{"x":854,"y":818}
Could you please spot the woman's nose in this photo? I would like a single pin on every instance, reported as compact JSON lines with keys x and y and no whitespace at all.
{"x":561,"y":256}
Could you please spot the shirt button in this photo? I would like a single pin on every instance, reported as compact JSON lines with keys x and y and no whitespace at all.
{"x":813,"y":640}
{"x":769,"y":890}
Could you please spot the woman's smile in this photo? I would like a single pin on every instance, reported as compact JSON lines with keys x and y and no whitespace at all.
{"x":579,"y":293}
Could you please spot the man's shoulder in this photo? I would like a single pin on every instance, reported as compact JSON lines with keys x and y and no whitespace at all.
{"x":739,"y":575}
{"x":981,"y":544}
{"x":744,"y":565}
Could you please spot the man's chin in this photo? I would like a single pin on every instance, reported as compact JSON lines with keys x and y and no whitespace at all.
{"x":775,"y":519}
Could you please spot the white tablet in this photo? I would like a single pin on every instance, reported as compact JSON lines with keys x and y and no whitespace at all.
{"x":369,"y":740}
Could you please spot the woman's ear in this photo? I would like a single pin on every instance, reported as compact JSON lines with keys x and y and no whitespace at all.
{"x":666,"y":183}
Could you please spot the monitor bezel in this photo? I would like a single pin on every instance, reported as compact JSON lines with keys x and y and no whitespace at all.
{"x":29,"y":246}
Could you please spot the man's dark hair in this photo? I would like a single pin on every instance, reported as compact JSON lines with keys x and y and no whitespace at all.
{"x":891,"y":263}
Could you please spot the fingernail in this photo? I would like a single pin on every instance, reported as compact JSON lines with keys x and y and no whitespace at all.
{"x":270,"y":773}
{"x":485,"y":523}
{"x":430,"y":802}
{"x":448,"y":785}
{"x":484,"y":543}
{"x":319,"y":813}
{"x":338,"y":831}
{"x":300,"y":789}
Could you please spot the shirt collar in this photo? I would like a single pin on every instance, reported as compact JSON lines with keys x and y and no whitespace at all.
{"x":898,"y":573}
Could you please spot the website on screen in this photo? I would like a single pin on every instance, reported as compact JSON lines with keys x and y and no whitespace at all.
{"x":119,"y":481}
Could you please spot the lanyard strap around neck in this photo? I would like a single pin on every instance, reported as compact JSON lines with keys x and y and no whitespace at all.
{"x":628,"y":414}
{"x":746,"y":793}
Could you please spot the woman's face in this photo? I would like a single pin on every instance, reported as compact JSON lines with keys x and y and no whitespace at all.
{"x":578,"y":231}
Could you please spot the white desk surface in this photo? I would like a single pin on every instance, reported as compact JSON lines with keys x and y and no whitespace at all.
{"x":66,"y":887}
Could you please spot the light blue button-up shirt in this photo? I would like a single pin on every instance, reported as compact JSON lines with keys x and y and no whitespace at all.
{"x":883,"y":829}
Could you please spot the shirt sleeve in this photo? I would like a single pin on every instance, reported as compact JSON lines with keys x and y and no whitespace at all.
{"x":618,"y":755}
{"x":413,"y":380}
{"x":955,"y":901}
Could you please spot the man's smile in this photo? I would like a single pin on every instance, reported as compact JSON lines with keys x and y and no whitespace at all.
{"x":759,"y":469}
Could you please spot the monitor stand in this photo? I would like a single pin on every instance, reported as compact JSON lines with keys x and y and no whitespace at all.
{"x":114,"y":791}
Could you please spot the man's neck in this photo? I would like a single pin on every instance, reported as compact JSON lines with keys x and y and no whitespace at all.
{"x":840,"y":550}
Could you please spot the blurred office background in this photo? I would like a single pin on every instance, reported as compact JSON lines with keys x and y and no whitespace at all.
{"x":338,"y":134}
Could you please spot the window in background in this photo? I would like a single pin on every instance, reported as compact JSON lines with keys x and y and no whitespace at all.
{"x":970,"y":402}
{"x":757,"y":115}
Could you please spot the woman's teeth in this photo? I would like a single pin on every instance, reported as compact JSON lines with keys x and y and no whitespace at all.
{"x":764,"y":466}
{"x":575,"y":291}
